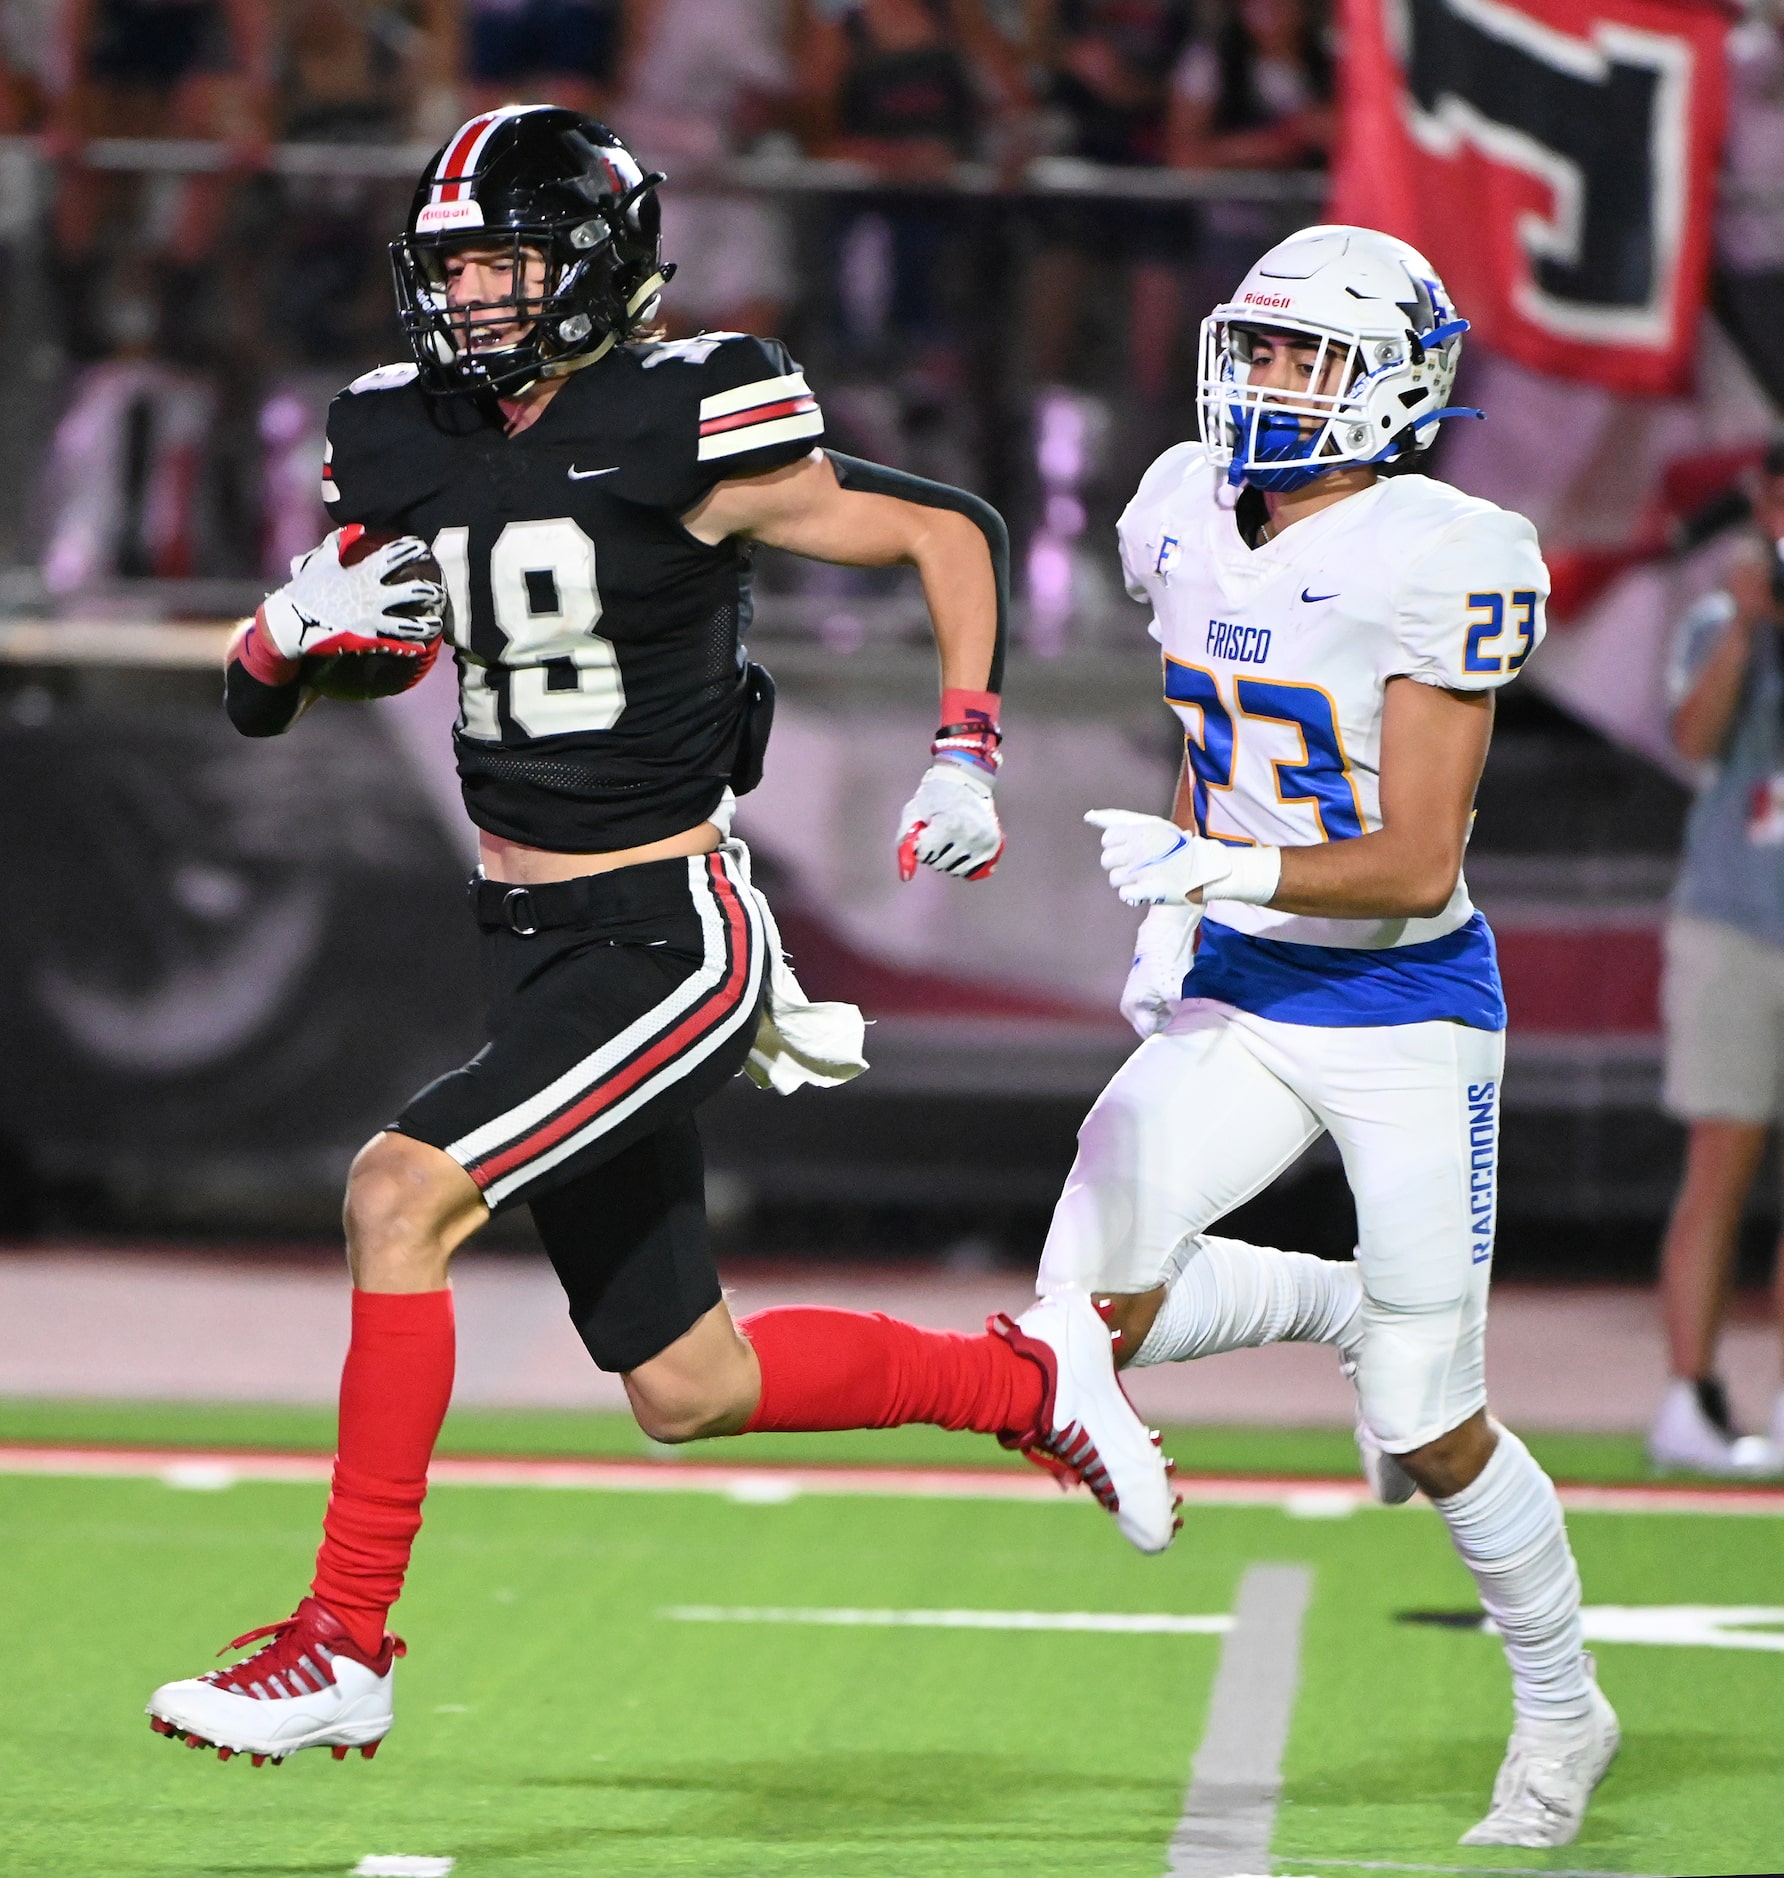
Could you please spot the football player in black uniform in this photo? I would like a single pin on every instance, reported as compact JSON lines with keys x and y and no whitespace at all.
{"x":588,"y":495}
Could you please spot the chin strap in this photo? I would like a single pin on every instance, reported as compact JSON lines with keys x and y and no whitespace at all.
{"x":1449,"y":410}
{"x":1442,"y":335}
{"x":654,"y":285}
{"x":1392,"y":449}
{"x":1418,"y":423}
{"x":562,"y":368}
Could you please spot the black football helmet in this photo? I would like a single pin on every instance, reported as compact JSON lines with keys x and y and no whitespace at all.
{"x":547,"y":180}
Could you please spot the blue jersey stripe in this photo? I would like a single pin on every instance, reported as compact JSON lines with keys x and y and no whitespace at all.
{"x":1455,"y":977}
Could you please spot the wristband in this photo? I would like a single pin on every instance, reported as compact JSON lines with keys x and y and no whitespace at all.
{"x":260,"y":660}
{"x":1255,"y":875}
{"x":969,"y":732}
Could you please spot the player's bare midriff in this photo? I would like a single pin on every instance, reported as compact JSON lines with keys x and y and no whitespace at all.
{"x":522,"y":866}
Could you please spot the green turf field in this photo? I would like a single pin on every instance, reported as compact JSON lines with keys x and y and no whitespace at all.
{"x":1314,"y":1452}
{"x":552,"y":1720}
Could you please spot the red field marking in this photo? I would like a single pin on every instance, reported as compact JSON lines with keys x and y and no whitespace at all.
{"x":224,"y":1466}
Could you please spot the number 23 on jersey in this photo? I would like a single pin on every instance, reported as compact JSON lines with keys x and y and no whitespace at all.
{"x":1318,"y":776}
{"x":1490,"y":622}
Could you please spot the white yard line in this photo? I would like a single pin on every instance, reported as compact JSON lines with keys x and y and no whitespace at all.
{"x":216,"y":1469}
{"x":1122,"y":1623}
{"x":1229,"y":1813}
{"x":1484,"y":1871}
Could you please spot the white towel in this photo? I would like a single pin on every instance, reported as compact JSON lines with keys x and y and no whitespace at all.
{"x":797,"y":1041}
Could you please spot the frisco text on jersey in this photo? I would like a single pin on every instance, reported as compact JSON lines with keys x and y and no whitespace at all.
{"x":1244,"y":645}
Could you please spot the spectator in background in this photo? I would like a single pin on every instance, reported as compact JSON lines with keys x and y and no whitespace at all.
{"x":352,"y":72}
{"x":151,"y":68}
{"x":1724,"y":987}
{"x":703,"y":79}
{"x":900,"y":85}
{"x":24,"y":37}
{"x":1750,"y":224}
{"x":905,"y":89}
{"x":567,"y":52}
{"x":1107,"y":66}
{"x":357,"y":71}
{"x":1255,"y":95}
{"x":136,"y":266}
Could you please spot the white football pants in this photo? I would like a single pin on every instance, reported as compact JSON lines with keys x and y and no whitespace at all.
{"x":1208,"y":1112}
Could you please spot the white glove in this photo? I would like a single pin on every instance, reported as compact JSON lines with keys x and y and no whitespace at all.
{"x":950,"y":824}
{"x":1153,"y":862}
{"x":1164,"y":949}
{"x":326,"y":608}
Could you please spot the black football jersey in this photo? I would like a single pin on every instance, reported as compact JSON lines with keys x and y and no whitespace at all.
{"x":602,"y":681}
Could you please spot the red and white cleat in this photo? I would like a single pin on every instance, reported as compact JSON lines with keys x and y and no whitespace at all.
{"x":309,"y":1687}
{"x":1089,"y":1430}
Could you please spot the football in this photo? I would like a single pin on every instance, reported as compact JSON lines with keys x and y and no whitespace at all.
{"x":354,"y":677}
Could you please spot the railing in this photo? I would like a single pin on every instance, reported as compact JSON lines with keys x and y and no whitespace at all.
{"x":988,"y":418}
{"x":776,"y":174}
{"x":770,"y":174}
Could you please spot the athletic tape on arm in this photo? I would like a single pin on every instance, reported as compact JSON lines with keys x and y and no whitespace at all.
{"x":875,"y":479}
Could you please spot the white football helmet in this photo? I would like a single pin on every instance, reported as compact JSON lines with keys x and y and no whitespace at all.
{"x":1389,"y":342}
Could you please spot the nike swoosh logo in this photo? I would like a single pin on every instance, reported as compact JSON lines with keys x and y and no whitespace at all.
{"x":1310,"y":598}
{"x":579,"y":476}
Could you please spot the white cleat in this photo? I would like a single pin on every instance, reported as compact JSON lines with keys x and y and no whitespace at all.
{"x":1547,"y":1777}
{"x":309,"y":1687}
{"x":1764,"y":1454}
{"x":1088,"y":1430}
{"x":1684,"y":1436}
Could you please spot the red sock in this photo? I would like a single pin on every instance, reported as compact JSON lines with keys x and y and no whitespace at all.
{"x":857,"y":1369}
{"x":394,"y":1390}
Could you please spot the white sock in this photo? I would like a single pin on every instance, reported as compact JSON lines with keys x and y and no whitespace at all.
{"x":1234,"y":1296}
{"x":1508,"y":1528}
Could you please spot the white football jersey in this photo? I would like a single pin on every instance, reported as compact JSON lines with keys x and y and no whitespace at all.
{"x":1277,"y":658}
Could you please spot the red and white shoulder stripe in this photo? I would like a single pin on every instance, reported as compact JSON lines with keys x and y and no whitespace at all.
{"x":753,"y":417}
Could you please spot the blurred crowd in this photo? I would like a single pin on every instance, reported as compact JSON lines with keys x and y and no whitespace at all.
{"x":1030,"y":334}
{"x":904,"y":89}
{"x":167,"y":306}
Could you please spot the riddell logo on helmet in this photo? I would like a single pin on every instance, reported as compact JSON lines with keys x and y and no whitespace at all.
{"x":1268,"y":299}
{"x":438,"y":215}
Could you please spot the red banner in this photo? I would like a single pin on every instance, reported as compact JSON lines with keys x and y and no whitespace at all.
{"x":1555,"y":159}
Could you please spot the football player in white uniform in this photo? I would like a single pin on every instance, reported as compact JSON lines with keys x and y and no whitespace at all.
{"x":1334,"y":630}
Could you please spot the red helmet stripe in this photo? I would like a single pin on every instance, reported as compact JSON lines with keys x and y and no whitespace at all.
{"x":451,"y":182}
{"x":457,"y":159}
